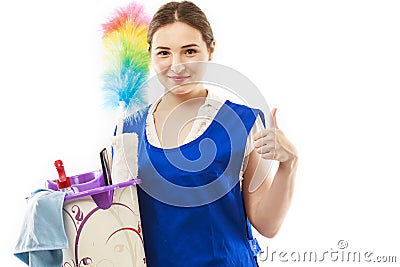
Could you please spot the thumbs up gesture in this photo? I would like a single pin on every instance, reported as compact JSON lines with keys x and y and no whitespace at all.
{"x":271,"y":143}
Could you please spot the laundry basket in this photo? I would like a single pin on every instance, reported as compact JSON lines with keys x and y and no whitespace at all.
{"x":102,"y":223}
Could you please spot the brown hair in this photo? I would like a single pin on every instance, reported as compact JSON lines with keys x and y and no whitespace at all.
{"x":186,"y":12}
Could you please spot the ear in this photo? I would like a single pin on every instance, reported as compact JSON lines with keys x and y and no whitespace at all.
{"x":212,"y":48}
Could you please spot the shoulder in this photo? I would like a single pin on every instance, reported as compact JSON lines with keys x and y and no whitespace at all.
{"x":249,"y":115}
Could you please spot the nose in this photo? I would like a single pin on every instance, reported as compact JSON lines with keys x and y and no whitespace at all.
{"x":177,"y":66}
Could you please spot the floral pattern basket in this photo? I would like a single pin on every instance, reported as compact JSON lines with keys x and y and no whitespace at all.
{"x":102,"y":223}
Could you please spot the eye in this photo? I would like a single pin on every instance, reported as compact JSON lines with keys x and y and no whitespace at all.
{"x":163,"y":53}
{"x":190,"y":52}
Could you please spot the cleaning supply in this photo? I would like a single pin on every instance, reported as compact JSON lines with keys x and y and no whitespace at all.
{"x":63,"y":182}
{"x":126,"y":58}
{"x":125,"y":160}
{"x":105,"y":165}
{"x":42,"y":235}
{"x":126,"y":72}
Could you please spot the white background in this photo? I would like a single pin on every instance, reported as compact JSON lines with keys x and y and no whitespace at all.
{"x":332,"y":68}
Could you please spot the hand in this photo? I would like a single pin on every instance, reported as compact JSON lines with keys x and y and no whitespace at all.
{"x":271,"y":143}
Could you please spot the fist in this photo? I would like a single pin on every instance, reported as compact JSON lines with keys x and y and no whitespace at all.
{"x":272,"y":144}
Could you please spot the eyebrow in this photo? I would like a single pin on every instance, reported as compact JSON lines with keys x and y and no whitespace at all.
{"x":185,"y":46}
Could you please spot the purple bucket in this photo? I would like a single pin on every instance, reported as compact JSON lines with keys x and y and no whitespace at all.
{"x":92,"y":184}
{"x":82,"y":182}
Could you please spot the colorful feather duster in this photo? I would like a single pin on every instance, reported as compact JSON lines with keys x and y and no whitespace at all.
{"x":126,"y":57}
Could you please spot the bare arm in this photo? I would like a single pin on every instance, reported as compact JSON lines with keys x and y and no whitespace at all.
{"x":267,"y":197}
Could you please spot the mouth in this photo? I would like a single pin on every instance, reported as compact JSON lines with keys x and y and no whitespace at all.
{"x":179,"y":78}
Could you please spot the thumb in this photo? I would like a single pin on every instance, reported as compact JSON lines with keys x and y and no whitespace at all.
{"x":273,"y":122}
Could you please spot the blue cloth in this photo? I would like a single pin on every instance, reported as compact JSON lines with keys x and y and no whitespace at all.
{"x":42,"y":236}
{"x":186,"y":221}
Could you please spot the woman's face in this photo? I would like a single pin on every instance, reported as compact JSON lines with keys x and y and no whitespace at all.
{"x":173,"y":47}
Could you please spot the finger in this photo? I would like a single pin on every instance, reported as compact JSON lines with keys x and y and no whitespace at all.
{"x":262,"y":143}
{"x":269,"y":148}
{"x":269,"y":155}
{"x":273,"y":122}
{"x":266,"y":141}
{"x":268,"y":133}
{"x":269,"y":142}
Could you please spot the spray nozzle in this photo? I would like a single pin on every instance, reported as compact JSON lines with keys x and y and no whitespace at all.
{"x":62,"y":181}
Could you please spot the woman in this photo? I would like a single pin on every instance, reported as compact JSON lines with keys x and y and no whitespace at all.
{"x":197,"y":212}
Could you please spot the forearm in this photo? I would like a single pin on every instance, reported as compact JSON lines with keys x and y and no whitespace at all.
{"x":273,"y":204}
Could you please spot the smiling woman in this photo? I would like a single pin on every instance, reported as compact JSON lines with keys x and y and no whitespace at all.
{"x":194,"y":144}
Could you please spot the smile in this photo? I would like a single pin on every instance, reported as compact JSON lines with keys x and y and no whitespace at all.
{"x":178,"y":79}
